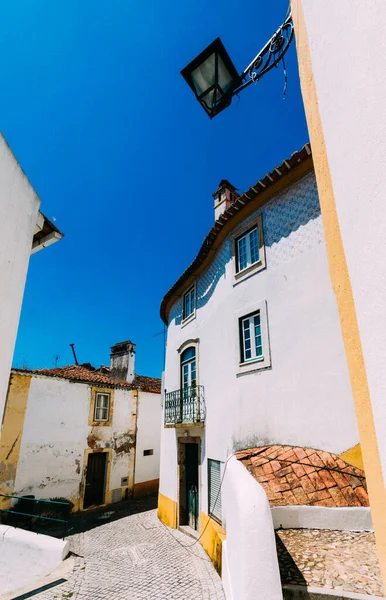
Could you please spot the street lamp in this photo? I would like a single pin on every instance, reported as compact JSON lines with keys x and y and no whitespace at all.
{"x":214,"y":79}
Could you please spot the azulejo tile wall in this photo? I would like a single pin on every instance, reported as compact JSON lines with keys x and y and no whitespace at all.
{"x":292,"y":225}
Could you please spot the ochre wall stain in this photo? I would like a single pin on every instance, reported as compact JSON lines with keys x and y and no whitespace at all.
{"x":12,"y":431}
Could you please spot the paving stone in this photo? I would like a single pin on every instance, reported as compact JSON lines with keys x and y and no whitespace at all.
{"x":137,"y":558}
{"x":338,"y":560}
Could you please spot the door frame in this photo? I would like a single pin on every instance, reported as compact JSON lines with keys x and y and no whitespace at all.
{"x":107,"y":491}
{"x":181,"y":441}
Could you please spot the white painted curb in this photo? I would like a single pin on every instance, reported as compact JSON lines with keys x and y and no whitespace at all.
{"x":25,"y":556}
{"x":320,"y":517}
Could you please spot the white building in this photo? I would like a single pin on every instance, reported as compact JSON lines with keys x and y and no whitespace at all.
{"x":254,"y":355}
{"x":23,"y":231}
{"x":84,"y":434}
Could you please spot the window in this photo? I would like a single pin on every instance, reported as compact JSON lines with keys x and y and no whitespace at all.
{"x":148,"y":452}
{"x":102,"y":406}
{"x":188,"y":367}
{"x":247,"y":249}
{"x":251,"y":345}
{"x":214,"y":489}
{"x":189,"y":303}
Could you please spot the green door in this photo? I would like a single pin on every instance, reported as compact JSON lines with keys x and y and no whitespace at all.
{"x":192,"y":500}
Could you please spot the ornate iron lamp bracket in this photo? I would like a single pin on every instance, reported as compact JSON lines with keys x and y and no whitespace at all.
{"x":269,"y":56}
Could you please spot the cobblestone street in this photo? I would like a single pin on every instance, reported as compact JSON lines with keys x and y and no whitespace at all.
{"x":338,"y":560}
{"x":137,"y":558}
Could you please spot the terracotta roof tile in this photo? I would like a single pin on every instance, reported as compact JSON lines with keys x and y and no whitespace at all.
{"x":87,"y":374}
{"x":294,"y":475}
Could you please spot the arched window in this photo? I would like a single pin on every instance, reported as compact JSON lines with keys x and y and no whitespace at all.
{"x":188,"y":368}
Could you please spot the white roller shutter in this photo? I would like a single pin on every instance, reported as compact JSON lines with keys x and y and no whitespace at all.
{"x":214,"y":485}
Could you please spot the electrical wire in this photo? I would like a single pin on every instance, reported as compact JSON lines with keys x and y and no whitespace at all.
{"x":210,"y":516}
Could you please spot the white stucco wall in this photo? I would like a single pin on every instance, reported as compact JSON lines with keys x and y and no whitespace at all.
{"x":250,"y":563}
{"x":353,"y":119}
{"x":305,"y":397}
{"x":25,"y":557}
{"x":54,"y":439}
{"x":19,"y":209}
{"x":148,"y":437}
{"x":56,"y":436}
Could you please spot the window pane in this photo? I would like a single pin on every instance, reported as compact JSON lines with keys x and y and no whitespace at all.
{"x":247,"y":340}
{"x":242,"y":252}
{"x":193,"y":373}
{"x":188,"y":354}
{"x":254,"y":245}
{"x":105,"y":413}
{"x":188,"y":305}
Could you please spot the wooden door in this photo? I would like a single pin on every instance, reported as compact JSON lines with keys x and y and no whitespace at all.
{"x":192,"y":484}
{"x":94,"y":493}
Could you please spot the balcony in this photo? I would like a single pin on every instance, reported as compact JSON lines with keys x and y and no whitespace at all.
{"x":185,"y":407}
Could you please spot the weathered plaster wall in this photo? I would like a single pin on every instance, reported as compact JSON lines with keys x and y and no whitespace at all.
{"x":305,"y":397}
{"x":19,"y":209}
{"x":12,"y":432}
{"x":54,"y":438}
{"x":148,"y":438}
{"x":57,"y":439}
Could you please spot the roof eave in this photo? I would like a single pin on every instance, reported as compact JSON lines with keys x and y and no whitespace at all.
{"x":291,"y":170}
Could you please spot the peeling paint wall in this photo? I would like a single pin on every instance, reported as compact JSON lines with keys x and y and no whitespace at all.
{"x":57,"y":440}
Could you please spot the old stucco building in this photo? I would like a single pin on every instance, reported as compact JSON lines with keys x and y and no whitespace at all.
{"x":84,"y":434}
{"x":255,"y":360}
{"x":24,"y":230}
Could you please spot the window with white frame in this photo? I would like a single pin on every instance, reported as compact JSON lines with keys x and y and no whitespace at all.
{"x":102,"y":407}
{"x":189,"y":303}
{"x":251,"y":343}
{"x":247,"y":249}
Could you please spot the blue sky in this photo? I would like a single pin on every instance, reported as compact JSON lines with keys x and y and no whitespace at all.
{"x":125,"y":160}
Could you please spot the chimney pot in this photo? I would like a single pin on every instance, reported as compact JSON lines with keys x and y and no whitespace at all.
{"x":224,"y":196}
{"x":122,"y":361}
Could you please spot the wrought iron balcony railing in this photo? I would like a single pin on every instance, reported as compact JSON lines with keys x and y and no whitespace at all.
{"x":186,"y":406}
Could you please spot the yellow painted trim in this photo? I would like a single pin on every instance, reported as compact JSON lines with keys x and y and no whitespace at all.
{"x":341,"y":283}
{"x":353,"y":456}
{"x":212,"y":538}
{"x":101,"y":390}
{"x":108,"y":491}
{"x":12,"y":431}
{"x":167,"y":510}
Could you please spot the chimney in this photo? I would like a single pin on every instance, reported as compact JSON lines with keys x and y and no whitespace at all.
{"x":224,"y":196}
{"x":122,"y":361}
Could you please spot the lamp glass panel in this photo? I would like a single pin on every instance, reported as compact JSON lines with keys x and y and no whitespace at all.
{"x":203,"y":76}
{"x":224,"y":77}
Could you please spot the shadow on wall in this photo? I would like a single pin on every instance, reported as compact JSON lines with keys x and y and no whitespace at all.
{"x":286,"y":214}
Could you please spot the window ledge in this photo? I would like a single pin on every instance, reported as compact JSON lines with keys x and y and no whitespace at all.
{"x":253,"y":361}
{"x":248,"y":271}
{"x":188,"y":319}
